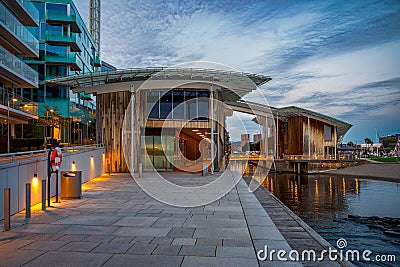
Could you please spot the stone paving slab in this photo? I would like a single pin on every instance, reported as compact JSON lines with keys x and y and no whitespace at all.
{"x":116,"y":224}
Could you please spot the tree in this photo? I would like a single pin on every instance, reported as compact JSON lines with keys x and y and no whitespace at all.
{"x":53,"y":120}
{"x":368,"y":141}
{"x":255,"y":146}
{"x":350,"y":144}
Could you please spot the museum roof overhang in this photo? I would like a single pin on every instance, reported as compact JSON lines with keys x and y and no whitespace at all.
{"x":232,"y":84}
{"x":287,"y":112}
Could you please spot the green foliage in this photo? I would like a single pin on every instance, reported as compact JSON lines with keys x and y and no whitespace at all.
{"x":387,"y":159}
{"x":52,"y":119}
{"x":255,"y":146}
{"x":368,"y":141}
{"x":388,"y":142}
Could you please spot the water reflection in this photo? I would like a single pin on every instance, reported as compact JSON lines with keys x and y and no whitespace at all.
{"x":325,"y":202}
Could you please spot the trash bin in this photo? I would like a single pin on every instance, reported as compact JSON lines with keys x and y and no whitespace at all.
{"x":71,"y":184}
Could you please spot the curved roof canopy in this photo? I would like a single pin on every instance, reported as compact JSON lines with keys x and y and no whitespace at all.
{"x":142,"y":74}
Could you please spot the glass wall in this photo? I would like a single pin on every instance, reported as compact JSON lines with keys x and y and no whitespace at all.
{"x":178,"y":105}
{"x":157,"y":157}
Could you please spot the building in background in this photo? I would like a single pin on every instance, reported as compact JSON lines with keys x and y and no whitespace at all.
{"x":16,"y":42}
{"x":65,"y":48}
{"x":256,"y":138}
{"x":245,"y":142}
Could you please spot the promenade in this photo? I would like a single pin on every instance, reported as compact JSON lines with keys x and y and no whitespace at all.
{"x":381,"y":171}
{"x":116,"y":224}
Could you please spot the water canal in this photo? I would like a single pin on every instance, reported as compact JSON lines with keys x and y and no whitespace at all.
{"x":344,"y":207}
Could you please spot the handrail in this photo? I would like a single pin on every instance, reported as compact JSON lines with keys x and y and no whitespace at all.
{"x":12,"y":157}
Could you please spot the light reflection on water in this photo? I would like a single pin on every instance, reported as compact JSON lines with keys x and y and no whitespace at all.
{"x":324,"y":203}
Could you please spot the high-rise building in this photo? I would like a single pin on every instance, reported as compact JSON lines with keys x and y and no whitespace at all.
{"x":245,"y":142}
{"x":65,"y":48}
{"x":256,"y":138}
{"x":16,"y":42}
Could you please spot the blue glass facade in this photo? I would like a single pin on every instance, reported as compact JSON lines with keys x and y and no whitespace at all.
{"x":65,"y":48}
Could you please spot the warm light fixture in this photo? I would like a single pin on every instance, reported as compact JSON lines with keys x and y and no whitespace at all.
{"x":91,"y":157}
{"x":14,"y":99}
{"x":73,"y":167}
{"x":198,"y":133}
{"x":35,"y":180}
{"x":195,"y":130}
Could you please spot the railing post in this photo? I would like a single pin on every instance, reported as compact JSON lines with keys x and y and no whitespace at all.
{"x":28,"y":200}
{"x":57,"y":187}
{"x":43,"y":194}
{"x":7,"y":209}
{"x":140,"y":170}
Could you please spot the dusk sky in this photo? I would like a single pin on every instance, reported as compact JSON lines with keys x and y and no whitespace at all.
{"x":340,"y":58}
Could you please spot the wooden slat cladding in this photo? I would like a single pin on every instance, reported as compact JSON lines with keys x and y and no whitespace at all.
{"x":295,"y":135}
{"x":112,"y":108}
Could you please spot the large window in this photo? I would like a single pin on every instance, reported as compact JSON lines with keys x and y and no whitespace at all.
{"x":327,"y":133}
{"x":56,"y":71}
{"x":57,"y":8}
{"x":166,"y":105}
{"x":56,"y":50}
{"x":178,"y":105}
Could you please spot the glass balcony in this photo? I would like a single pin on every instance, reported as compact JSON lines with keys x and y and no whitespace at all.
{"x":22,"y":71}
{"x":14,"y":26}
{"x":60,"y":16}
{"x":30,"y":8}
{"x":97,"y":62}
{"x":59,"y":38}
{"x":70,"y":60}
{"x":18,"y":102}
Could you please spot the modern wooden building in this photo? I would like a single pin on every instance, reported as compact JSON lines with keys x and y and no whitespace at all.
{"x":169,"y":118}
{"x":177,"y":115}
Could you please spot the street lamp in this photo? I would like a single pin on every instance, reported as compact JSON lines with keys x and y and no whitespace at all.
{"x":14,"y":99}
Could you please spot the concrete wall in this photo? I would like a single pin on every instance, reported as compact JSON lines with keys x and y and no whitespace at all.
{"x":15,"y":175}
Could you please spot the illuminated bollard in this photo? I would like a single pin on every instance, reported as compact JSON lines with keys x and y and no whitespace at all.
{"x":43,"y":194}
{"x":140,"y":170}
{"x":7,"y":209}
{"x":28,"y":200}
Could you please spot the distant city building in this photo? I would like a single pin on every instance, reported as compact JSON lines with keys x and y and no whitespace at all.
{"x":245,"y":142}
{"x":66,"y":48}
{"x":256,"y":138}
{"x":16,"y":42}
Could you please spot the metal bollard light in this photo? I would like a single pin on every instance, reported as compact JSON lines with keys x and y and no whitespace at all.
{"x":57,"y":187}
{"x":43,"y":194}
{"x":28,"y":200}
{"x":7,"y":209}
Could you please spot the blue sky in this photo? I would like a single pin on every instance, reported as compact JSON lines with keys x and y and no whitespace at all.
{"x":340,"y":58}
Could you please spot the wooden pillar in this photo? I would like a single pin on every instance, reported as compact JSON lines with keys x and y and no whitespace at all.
{"x":335,"y":133}
{"x":212,"y":128}
{"x":309,"y":137}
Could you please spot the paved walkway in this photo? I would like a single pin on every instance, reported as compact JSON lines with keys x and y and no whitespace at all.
{"x":116,"y":224}
{"x":382,"y":171}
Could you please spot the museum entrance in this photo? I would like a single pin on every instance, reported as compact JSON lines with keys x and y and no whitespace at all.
{"x":174,"y":150}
